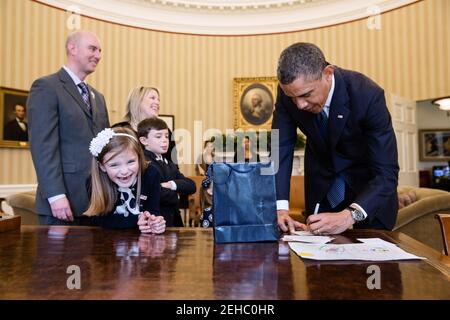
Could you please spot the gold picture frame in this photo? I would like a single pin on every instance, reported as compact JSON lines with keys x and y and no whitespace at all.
{"x":13,"y":133}
{"x":169,"y":120}
{"x":254,"y":102}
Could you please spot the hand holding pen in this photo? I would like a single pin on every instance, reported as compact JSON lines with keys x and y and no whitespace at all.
{"x":316,"y":211}
{"x":328,"y":222}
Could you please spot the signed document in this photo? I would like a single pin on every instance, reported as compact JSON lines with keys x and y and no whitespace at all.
{"x":307,"y":239}
{"x":369,"y":250}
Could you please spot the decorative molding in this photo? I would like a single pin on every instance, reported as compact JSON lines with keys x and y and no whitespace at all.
{"x":216,"y":17}
{"x":230,"y":5}
{"x":8,"y":189}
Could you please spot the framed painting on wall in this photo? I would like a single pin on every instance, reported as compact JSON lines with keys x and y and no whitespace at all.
{"x":169,"y":120}
{"x":13,"y":118}
{"x":434,"y":145}
{"x":254,"y":102}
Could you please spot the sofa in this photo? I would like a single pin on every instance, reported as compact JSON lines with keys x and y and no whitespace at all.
{"x":418,"y":218}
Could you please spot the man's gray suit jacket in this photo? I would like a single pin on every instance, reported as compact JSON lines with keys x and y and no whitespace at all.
{"x":61,"y":129}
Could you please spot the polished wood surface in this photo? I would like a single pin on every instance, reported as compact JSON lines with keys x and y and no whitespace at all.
{"x":8,"y":222}
{"x":185,"y":264}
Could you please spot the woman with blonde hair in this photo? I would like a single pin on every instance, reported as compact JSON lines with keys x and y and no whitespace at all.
{"x":143,"y":103}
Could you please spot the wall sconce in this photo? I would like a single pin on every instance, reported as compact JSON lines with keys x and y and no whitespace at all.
{"x":443,"y":103}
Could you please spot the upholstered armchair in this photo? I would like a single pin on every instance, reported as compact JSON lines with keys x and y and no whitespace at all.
{"x":417,"y":217}
{"x":23,"y":204}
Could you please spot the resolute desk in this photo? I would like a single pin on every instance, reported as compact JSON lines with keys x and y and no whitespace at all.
{"x":185,"y":264}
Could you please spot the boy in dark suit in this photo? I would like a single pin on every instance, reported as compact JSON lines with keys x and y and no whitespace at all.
{"x":153,"y":134}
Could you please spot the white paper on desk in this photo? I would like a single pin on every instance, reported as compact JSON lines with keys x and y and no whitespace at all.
{"x":308,"y":239}
{"x":302,"y":233}
{"x":376,"y":241}
{"x":372,"y":251}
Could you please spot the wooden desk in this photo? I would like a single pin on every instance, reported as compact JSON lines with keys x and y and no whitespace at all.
{"x":8,"y":222}
{"x":185,"y":264}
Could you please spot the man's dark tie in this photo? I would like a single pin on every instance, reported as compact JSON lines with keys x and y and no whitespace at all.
{"x":336,"y":193}
{"x":85,"y":94}
{"x":322,"y":121}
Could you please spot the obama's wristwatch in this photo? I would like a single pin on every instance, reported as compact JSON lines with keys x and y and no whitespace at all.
{"x":357,"y":214}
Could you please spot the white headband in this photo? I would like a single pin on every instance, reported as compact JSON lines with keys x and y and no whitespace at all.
{"x":103,"y":138}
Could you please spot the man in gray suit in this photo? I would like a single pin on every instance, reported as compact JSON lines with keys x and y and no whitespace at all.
{"x":64,"y":114}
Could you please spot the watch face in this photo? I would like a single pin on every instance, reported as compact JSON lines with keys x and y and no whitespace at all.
{"x":357,"y":215}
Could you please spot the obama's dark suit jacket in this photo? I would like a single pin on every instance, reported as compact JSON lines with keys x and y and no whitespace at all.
{"x":362,"y":149}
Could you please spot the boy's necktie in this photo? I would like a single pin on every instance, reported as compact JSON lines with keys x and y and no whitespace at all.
{"x":161,"y":159}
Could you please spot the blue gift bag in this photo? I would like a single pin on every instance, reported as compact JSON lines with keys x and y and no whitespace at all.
{"x":244,"y":202}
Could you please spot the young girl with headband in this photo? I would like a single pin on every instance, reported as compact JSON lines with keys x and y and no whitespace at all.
{"x":125,"y":192}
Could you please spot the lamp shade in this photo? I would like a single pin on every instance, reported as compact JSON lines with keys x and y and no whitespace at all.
{"x":443,"y":103}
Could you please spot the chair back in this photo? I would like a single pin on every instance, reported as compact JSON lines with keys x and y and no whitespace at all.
{"x":194,"y":202}
{"x":297,"y":195}
{"x":444,"y":222}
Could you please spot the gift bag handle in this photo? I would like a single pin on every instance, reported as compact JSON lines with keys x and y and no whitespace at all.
{"x":244,"y":168}
{"x":250,"y":168}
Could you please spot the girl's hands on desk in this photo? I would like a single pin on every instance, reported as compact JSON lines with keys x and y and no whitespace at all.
{"x":157,"y":224}
{"x":330,"y":222}
{"x":143,"y":222}
{"x":149,"y":223}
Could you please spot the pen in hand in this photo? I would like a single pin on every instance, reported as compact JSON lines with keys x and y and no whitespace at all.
{"x":316,"y":209}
